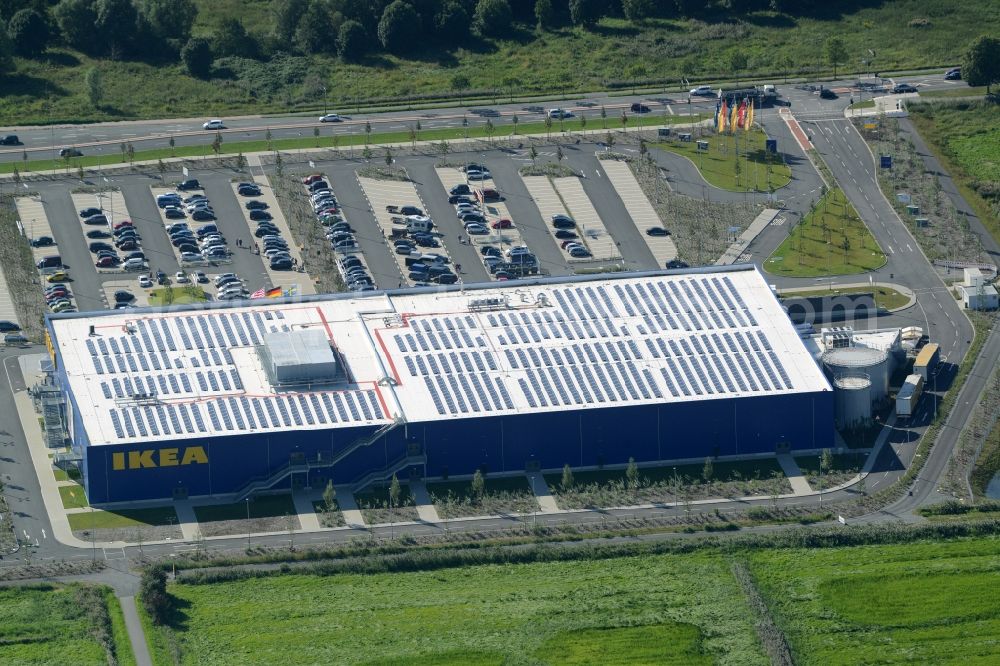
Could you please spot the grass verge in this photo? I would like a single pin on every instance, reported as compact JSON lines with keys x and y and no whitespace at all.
{"x":830,"y":240}
{"x":886,"y":298}
{"x":73,"y":497}
{"x":735,"y":162}
{"x":177,"y":295}
{"x":262,"y":506}
{"x":125,"y":518}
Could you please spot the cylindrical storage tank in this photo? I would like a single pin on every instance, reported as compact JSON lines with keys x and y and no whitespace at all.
{"x":855,"y":361}
{"x":852,"y":403}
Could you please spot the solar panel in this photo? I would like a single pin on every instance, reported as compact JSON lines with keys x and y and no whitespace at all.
{"x":351,"y":405}
{"x":339,"y":401}
{"x":434,"y":395}
{"x":116,"y":422}
{"x":245,"y":402}
{"x":527,"y":394}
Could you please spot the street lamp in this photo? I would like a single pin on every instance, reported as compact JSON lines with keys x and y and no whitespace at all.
{"x":248,"y":523}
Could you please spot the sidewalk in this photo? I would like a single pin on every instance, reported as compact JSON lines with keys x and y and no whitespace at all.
{"x":425,"y":508}
{"x":348,"y":507}
{"x":546,"y":502}
{"x":791,"y":469}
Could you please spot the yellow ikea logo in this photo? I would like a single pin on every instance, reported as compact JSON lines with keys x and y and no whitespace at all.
{"x":192,"y":455}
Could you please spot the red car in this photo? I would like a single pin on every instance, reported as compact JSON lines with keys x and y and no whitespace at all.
{"x":309,"y":180}
{"x":489,"y":194}
{"x":503,"y":223}
{"x":107,"y":262}
{"x":123,"y":224}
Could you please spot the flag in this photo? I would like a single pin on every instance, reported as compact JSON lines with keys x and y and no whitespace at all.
{"x":718,"y":108}
{"x":741,"y":114}
{"x":723,"y":116}
{"x":274,"y":292}
{"x":258,"y":294}
{"x":732,"y":117}
{"x":750,"y":117}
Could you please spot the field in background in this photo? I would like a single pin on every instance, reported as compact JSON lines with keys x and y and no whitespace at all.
{"x":907,"y":34}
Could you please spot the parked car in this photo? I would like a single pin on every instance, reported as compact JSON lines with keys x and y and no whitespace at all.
{"x":58,"y":276}
{"x":312,"y":178}
{"x":579,"y":253}
{"x":134,"y":265}
{"x":676,"y":263}
{"x":145,"y":282}
{"x":560,"y":221}
{"x":826,"y":93}
{"x":90,"y":212}
{"x":96,"y":219}
{"x":256,"y":204}
{"x":281,"y":264}
{"x":901,"y":88}
{"x":489,"y":194}
{"x":97,"y":246}
{"x":461,"y":188}
{"x":124,"y":296}
{"x":476,"y":229}
{"x":565,"y":234}
{"x":191,"y":256}
{"x":214,"y":124}
{"x":181,"y":277}
{"x":258,"y":215}
{"x":52,"y":261}
{"x":657,"y":231}
{"x":42,"y":241}
{"x":502,"y":223}
{"x":174,"y":213}
{"x":953,"y":74}
{"x":248,"y":190}
{"x":98,"y":233}
{"x":202,"y":214}
{"x":107,"y":262}
{"x":189,"y":184}
{"x":7,"y":326}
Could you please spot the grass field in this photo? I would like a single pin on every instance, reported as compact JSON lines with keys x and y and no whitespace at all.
{"x":926,"y":603}
{"x":177,"y":295}
{"x":122,"y":519}
{"x":830,"y":240}
{"x":885,"y":297}
{"x":263,"y":506}
{"x":615,"y":54}
{"x":642,"y":610}
{"x":48,"y":624}
{"x":960,"y":91}
{"x":965,"y":136}
{"x":755,"y":170}
{"x":73,"y":497}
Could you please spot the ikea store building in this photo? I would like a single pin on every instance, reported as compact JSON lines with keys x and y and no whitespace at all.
{"x":230,"y":399}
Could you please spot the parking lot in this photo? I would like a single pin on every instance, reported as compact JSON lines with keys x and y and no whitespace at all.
{"x":640,"y":210}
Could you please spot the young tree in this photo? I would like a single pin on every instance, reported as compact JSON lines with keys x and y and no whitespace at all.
{"x":217,"y":143}
{"x":533,"y":154}
{"x":544,"y":14}
{"x":368,"y":132}
{"x":492,"y":17}
{"x":197,"y":57}
{"x":632,"y":474}
{"x":460,"y":83}
{"x":826,"y":461}
{"x":29,"y":32}
{"x":388,"y":157}
{"x":490,"y":128}
{"x":95,"y":86}
{"x":708,"y":471}
{"x":514,"y":120}
{"x":478,"y":486}
{"x":548,"y":126}
{"x":981,"y":62}
{"x":161,"y":167}
{"x":268,"y":138}
{"x":394,"y":491}
{"x":329,"y":495}
{"x":604,"y":117}
{"x":610,"y":140}
{"x":624,"y":120}
{"x":559,"y":154}
{"x":567,"y":478}
{"x":173,"y":143}
{"x":583,"y":122}
{"x":352,"y":40}
{"x":836,"y":52}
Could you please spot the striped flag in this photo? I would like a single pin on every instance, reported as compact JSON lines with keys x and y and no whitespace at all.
{"x":741,"y":115}
{"x":718,"y":107}
{"x":274,"y":292}
{"x":749,"y":117}
{"x":732,"y":117}
{"x":258,"y":294}
{"x":723,"y":116}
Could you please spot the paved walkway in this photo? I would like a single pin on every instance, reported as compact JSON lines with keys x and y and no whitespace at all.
{"x":135,"y":634}
{"x":187,"y":519}
{"x":791,"y":468}
{"x":801,"y":137}
{"x":739,"y":246}
{"x":425,"y":508}
{"x":546,"y":502}
{"x":348,"y":507}
{"x":308,"y":520}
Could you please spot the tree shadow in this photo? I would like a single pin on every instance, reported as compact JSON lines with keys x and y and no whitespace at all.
{"x":770,"y":20}
{"x":614,"y":30}
{"x":58,"y":59}
{"x":31,"y":86}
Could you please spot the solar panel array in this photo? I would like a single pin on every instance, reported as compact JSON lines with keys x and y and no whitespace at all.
{"x":596,"y":344}
{"x":176,"y":376}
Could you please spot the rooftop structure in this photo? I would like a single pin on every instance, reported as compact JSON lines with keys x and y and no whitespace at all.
{"x":428,"y":355}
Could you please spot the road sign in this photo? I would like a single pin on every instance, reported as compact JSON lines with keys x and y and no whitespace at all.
{"x":184,"y":170}
{"x":771,"y":145}
{"x":312,"y":165}
{"x":885,"y":161}
{"x":871,"y":126}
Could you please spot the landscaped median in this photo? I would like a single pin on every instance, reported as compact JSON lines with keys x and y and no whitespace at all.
{"x":735,"y":162}
{"x":886,"y":298}
{"x":831,"y":240}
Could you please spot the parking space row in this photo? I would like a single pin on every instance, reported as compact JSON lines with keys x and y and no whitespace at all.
{"x":551,"y":206}
{"x":294,"y":281}
{"x":589,"y":224}
{"x":399,"y":212}
{"x":641,"y":211}
{"x":353,"y":267}
{"x":47,"y":257}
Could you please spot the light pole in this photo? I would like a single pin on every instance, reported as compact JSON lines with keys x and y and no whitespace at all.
{"x":325,"y":102}
{"x":248,"y":523}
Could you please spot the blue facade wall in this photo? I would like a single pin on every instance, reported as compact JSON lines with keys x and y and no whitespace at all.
{"x":605,"y":436}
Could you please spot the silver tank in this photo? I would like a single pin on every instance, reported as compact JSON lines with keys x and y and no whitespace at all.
{"x":861,"y":361}
{"x":852,"y":403}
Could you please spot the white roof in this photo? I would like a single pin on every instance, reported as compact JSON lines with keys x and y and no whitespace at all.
{"x":428,"y":355}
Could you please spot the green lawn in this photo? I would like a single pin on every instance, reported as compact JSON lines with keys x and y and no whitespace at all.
{"x":62,"y":475}
{"x":123,"y":519}
{"x":866,"y":104}
{"x":965,"y":136}
{"x":923,"y":603}
{"x":177,"y":295}
{"x":640,"y":610}
{"x":830,"y":240}
{"x":73,"y":497}
{"x":615,"y":54}
{"x":263,"y":506}
{"x":46,"y":624}
{"x":755,"y":169}
{"x":885,"y":297}
{"x":959,"y":91}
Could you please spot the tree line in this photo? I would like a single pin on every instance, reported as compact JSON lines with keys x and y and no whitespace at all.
{"x":162,"y":30}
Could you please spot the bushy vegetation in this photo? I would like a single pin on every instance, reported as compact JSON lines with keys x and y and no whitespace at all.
{"x":454,"y":499}
{"x":195,"y":57}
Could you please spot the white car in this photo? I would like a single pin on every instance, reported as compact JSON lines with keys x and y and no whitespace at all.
{"x":214,"y":124}
{"x":702,"y":91}
{"x":330,"y":118}
{"x":145,"y":281}
{"x":181,"y":277}
{"x":560,"y":113}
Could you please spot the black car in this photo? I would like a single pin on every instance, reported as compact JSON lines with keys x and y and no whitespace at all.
{"x":188,"y":246}
{"x":563,"y":222}
{"x":639,"y":108}
{"x":260,"y":215}
{"x":42,"y":241}
{"x":122,"y":296}
{"x":90,"y":212}
{"x":174,"y":214}
{"x":96,"y":219}
{"x":202,"y":215}
{"x":901,"y":88}
{"x":98,"y":233}
{"x":826,"y":93}
{"x":677,"y":263}
{"x":657,"y":231}
{"x":266,"y":231}
{"x":490,"y":251}
{"x":190,"y":184}
{"x":461,"y":188}
{"x":281,"y":264}
{"x":7,"y":326}
{"x":10,"y":140}
{"x":565,"y":234}
{"x":70,"y":152}
{"x":248,"y":190}
{"x":98,"y":246}
{"x":256,"y":204}
{"x":127,"y":245}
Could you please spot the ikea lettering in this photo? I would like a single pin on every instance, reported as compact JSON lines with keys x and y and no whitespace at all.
{"x":192,"y":455}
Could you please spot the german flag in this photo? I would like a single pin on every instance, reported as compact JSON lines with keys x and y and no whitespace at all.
{"x":274,"y":292}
